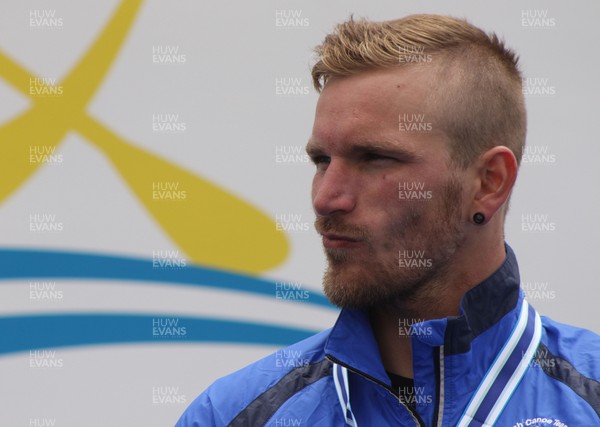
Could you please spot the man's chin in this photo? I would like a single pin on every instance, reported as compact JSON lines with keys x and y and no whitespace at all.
{"x":349,"y":289}
{"x":358,"y":287}
{"x":345,"y":300}
{"x":339,"y":257}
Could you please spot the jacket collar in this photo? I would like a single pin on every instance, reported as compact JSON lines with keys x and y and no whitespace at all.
{"x":352,"y":343}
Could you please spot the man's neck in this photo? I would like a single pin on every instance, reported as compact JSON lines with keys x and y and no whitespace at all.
{"x":436,"y":299}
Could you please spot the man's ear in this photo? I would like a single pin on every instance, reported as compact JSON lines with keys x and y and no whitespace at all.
{"x":495,"y":174}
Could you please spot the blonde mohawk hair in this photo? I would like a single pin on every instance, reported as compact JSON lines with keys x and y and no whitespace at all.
{"x":477,"y":96}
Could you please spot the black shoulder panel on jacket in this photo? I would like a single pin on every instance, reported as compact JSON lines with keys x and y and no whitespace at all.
{"x":261,"y":409}
{"x":560,"y":369}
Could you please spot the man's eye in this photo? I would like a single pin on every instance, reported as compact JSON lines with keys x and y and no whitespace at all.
{"x":375,"y":156}
{"x":319,"y":160}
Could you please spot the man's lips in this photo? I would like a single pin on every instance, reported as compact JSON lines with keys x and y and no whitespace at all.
{"x":332,"y":240}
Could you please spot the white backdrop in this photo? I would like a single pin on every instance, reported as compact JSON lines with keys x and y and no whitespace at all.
{"x":235,"y":105}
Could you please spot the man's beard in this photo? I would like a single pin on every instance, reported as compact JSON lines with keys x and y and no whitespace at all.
{"x":376,"y":278}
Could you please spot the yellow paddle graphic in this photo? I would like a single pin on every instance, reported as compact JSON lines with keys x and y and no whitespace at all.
{"x":212,"y":226}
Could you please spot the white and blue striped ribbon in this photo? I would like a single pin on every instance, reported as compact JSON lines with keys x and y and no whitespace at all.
{"x":340,"y":375}
{"x":506,"y":372}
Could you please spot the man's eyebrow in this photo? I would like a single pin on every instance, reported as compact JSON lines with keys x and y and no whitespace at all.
{"x":313,"y":148}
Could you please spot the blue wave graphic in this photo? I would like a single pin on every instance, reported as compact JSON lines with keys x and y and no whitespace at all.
{"x":23,"y":333}
{"x":32,"y":264}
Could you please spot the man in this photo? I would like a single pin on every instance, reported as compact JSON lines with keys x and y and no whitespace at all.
{"x":418,"y":135}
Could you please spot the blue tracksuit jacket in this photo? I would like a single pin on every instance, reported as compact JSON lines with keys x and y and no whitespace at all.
{"x":498,"y":363}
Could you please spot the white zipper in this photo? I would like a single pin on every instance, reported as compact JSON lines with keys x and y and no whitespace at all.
{"x":440,"y":420}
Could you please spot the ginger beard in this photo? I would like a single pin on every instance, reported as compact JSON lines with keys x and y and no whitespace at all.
{"x":369,"y":275}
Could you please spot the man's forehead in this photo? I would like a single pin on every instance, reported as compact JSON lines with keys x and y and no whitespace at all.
{"x":376,"y":109}
{"x":400,"y":86}
{"x":370,"y":101}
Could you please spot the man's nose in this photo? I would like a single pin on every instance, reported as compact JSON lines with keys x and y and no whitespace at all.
{"x":333,"y":191}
